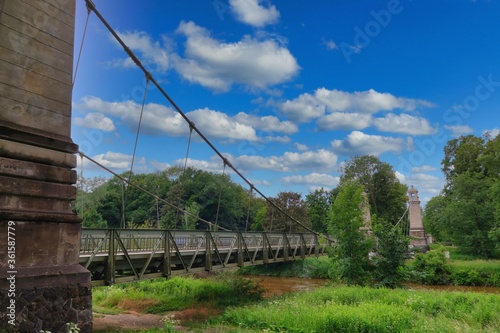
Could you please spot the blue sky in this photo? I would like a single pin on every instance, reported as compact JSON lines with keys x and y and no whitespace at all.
{"x":288,"y":91}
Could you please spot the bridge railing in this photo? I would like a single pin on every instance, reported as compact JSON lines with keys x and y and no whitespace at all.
{"x":116,"y":255}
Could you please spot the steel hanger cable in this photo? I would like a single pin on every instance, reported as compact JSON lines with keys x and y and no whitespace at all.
{"x":81,"y":45}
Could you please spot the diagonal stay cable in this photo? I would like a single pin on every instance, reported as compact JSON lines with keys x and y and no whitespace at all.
{"x":123,"y":179}
{"x":139,"y":64}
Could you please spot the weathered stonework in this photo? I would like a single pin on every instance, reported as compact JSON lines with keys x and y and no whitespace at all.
{"x":417,"y":231}
{"x":37,"y":157}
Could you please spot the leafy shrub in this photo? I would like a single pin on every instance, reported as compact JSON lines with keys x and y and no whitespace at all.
{"x":431,"y":268}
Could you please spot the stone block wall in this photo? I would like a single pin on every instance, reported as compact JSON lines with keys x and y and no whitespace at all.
{"x":39,"y":233}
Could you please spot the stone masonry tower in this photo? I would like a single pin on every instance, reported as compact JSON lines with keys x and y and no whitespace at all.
{"x":42,"y":286}
{"x":417,"y":231}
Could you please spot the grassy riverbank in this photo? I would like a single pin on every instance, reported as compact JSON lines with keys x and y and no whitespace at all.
{"x":454,"y":272}
{"x":234,"y":304}
{"x":178,"y":293}
{"x":356,"y":309}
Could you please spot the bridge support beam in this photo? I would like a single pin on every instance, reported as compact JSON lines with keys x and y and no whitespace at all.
{"x":42,"y":285}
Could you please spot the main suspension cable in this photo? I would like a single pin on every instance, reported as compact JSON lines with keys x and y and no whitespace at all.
{"x":139,"y":64}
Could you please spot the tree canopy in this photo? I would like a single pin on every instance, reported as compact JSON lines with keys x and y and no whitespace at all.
{"x":467,"y":211}
{"x":386,"y":195}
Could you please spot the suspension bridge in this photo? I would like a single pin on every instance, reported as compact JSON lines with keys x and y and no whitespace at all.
{"x":51,"y":263}
{"x":124,"y":255}
{"x":121,"y":255}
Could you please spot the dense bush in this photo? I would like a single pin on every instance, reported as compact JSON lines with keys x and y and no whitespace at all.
{"x":431,"y":268}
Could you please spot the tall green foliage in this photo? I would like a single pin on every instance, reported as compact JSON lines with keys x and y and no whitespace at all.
{"x":212,"y":197}
{"x":318,"y":203}
{"x":352,"y":244}
{"x":467,"y":212}
{"x":392,"y":252}
{"x":291,"y":203}
{"x":386,"y":195}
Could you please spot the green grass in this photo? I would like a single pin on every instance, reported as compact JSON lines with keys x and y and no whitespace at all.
{"x":159,"y":296}
{"x":356,"y":309}
{"x":328,"y":309}
{"x":319,"y":267}
{"x":475,"y":273}
{"x":455,"y":253}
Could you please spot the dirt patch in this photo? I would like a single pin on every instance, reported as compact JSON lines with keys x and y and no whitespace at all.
{"x":195,"y":315}
{"x":129,"y":321}
{"x":136,"y":305}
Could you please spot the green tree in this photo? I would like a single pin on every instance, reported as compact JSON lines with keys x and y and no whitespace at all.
{"x":466,"y":212}
{"x":352,"y":244}
{"x":462,"y":155}
{"x":191,"y":216}
{"x":293,"y":205}
{"x":260,"y":216}
{"x":469,"y":216}
{"x":386,"y":195}
{"x":318,"y":206}
{"x":392,"y":252}
{"x":435,"y":218}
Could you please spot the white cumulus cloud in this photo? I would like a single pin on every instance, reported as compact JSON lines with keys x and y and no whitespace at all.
{"x":493,"y":132}
{"x":405,"y":124}
{"x":303,"y":109}
{"x":359,"y":143}
{"x":162,"y":120}
{"x":217,"y":65}
{"x":96,"y":120}
{"x":290,"y":161}
{"x":220,"y":125}
{"x":344,"y":121}
{"x":152,"y":52}
{"x":320,"y":179}
{"x":459,"y":130}
{"x":253,"y":13}
{"x":267,"y":123}
{"x":369,"y":101}
{"x":423,"y":168}
{"x":307,"y":107}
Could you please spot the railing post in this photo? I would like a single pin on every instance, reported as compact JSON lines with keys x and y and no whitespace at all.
{"x":240,"y":250}
{"x":316,"y":245}
{"x":302,"y":246}
{"x":166,"y":254}
{"x":265,"y":248}
{"x":109,"y":275}
{"x":286,"y":248}
{"x":208,"y":251}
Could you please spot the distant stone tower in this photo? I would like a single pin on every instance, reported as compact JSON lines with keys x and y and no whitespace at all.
{"x":417,"y":231}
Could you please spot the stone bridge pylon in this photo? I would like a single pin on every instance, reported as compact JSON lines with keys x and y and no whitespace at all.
{"x":42,"y":285}
{"x":417,"y":231}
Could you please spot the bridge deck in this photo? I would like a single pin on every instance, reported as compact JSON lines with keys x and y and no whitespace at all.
{"x":114,"y":255}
